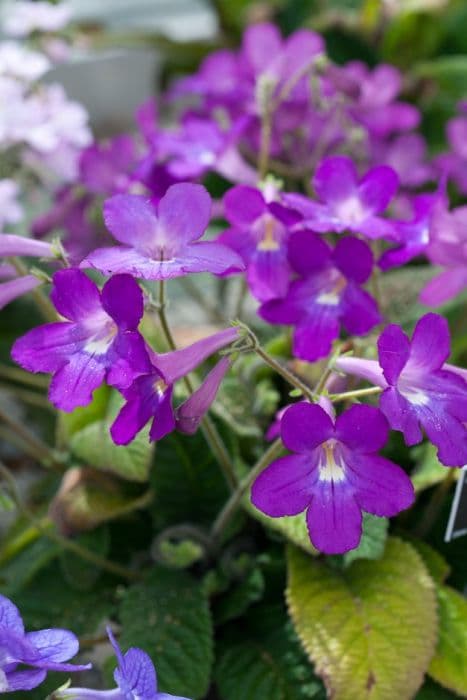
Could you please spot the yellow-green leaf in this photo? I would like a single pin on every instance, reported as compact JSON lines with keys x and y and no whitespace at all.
{"x":292,"y":527}
{"x":449,"y":666}
{"x":370,"y":629}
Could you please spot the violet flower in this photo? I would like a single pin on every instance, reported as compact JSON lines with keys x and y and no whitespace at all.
{"x":420,"y":390}
{"x":24,"y":17}
{"x":98,"y":340}
{"x":328,"y":295}
{"x":333,"y":475}
{"x":414,"y":236}
{"x":448,"y":248}
{"x":259,"y":234}
{"x":135,"y":677}
{"x":348,"y":202}
{"x":17,"y":287}
{"x":407,"y":155}
{"x":105,"y":168}
{"x":149,"y":397}
{"x":161,"y":241}
{"x":44,"y":650}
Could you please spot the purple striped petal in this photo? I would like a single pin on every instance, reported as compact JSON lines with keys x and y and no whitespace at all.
{"x":191,"y":412}
{"x":123,"y":300}
{"x":334,"y":519}
{"x":74,"y":383}
{"x":305,"y":426}
{"x":362,"y":429}
{"x":74,"y":295}
{"x":394,"y":351}
{"x":286,"y":486}
{"x":131,"y":219}
{"x":184,"y":213}
{"x":431,"y":344}
{"x":336,"y":179}
{"x":381,"y":487}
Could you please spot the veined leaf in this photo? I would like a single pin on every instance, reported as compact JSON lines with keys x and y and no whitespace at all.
{"x":168,"y":616}
{"x":375,"y":532}
{"x":370,"y":629}
{"x":448,"y":665}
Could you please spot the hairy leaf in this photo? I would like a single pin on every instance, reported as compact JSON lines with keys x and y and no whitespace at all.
{"x":448,"y":665}
{"x":371,"y":628}
{"x":168,"y":616}
{"x":375,"y":531}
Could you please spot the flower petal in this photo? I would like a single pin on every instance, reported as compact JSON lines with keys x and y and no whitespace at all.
{"x":286,"y":486}
{"x":354,"y":259}
{"x":431,"y":344}
{"x":336,"y":179}
{"x":362,"y":428}
{"x":184,"y":213}
{"x":190,"y":413}
{"x":131,"y":219}
{"x":123,"y":300}
{"x":394,"y":351}
{"x":243,"y":205}
{"x":401,"y":415}
{"x":262,"y":42}
{"x":209,"y":256}
{"x":444,"y":286}
{"x":359,"y":367}
{"x":176,"y":364}
{"x":74,"y":295}
{"x":10,"y":616}
{"x":308,"y":253}
{"x":268,"y":274}
{"x":313,"y":337}
{"x":359,"y":311}
{"x":47,"y":348}
{"x":74,"y":383}
{"x":305,"y":426}
{"x":26,"y":680}
{"x":334,"y":519}
{"x":16,"y":288}
{"x":377,"y":188}
{"x":55,"y":645}
{"x":137,"y":674}
{"x":381,"y":487}
{"x":164,"y":420}
{"x":141,"y":405}
{"x":20,"y":245}
{"x":120,"y":259}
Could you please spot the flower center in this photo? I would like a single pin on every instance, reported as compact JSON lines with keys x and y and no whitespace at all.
{"x":160,"y":387}
{"x":351,"y":210}
{"x":100,"y":342}
{"x":330,"y":467}
{"x":332,"y":297}
{"x":268,"y":240}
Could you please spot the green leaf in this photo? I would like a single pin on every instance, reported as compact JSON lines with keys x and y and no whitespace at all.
{"x":449,"y":72}
{"x":168,"y":616}
{"x":25,"y":566}
{"x":48,"y":601}
{"x":187,"y":482}
{"x":86,"y":415}
{"x":238,"y":600}
{"x":429,"y":470}
{"x":240,"y":408}
{"x":432,"y":691}
{"x":371,"y":628}
{"x":93,"y":445}
{"x":448,"y":665}
{"x":436,"y":564}
{"x":375,"y":532}
{"x":79,"y":574}
{"x":264,"y":661}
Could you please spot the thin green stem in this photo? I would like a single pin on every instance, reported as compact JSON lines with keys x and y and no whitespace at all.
{"x":277,"y":367}
{"x":236,"y":498}
{"x":208,"y":428}
{"x":33,"y":398}
{"x":335,"y":398}
{"x":328,"y":370}
{"x":33,"y":445}
{"x":265,"y":144}
{"x":14,"y":374}
{"x":42,"y":302}
{"x":70,"y":545}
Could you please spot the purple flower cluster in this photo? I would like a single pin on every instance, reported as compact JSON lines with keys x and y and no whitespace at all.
{"x":308,"y":252}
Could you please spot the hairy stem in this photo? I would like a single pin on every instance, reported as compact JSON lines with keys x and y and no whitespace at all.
{"x":236,"y":498}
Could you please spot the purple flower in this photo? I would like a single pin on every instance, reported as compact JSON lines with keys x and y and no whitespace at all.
{"x":328,"y":295}
{"x":149,"y":397}
{"x":11,"y":245}
{"x":161,"y":241}
{"x":407,"y":155}
{"x":135,"y":677}
{"x":14,"y":288}
{"x":420,"y":390}
{"x":348,"y":202}
{"x":105,"y":167}
{"x":374,"y":105}
{"x":448,"y":248}
{"x":189,"y":414}
{"x":98,"y":340}
{"x":333,"y":474}
{"x":414,"y":236}
{"x":44,"y":650}
{"x":198,"y":146}
{"x":25,"y":17}
{"x":259,"y":235}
